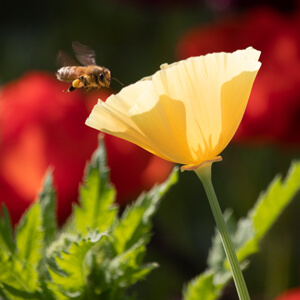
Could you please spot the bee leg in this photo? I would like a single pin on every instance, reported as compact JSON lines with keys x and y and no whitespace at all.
{"x":70,"y":89}
{"x":83,"y":82}
{"x":77,"y":83}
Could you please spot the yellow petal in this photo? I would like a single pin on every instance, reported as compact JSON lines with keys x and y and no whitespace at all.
{"x":188,"y":111}
{"x":212,"y":87}
{"x":114,"y":117}
{"x":164,"y":125}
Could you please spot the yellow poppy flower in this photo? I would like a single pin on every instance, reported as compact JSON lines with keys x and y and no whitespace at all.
{"x":187,"y":112}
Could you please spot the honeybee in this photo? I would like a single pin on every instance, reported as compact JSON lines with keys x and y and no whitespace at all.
{"x":88,"y":76}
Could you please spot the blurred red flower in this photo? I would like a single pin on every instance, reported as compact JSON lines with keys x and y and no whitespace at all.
{"x":273,"y":112}
{"x":293,"y":294}
{"x":40,"y":126}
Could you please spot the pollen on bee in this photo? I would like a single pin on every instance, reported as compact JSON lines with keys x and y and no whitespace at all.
{"x":77,"y":83}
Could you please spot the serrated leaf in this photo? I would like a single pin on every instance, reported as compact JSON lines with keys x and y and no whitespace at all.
{"x":78,"y":263}
{"x":202,"y":287}
{"x":97,"y":196}
{"x":122,"y":268}
{"x":62,"y":244}
{"x":19,"y":294}
{"x":7,"y":242}
{"x":45,"y":292}
{"x":126,"y":268}
{"x":268,"y":208}
{"x":271,"y":203}
{"x":18,"y":275}
{"x":29,"y":237}
{"x":3,"y":295}
{"x":46,"y":200}
{"x":56,"y":291}
{"x":249,"y":231}
{"x":135,"y":222}
{"x":73,"y":266}
{"x":247,"y":236}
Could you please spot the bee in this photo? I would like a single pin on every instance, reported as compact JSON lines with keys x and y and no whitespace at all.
{"x":88,"y":76}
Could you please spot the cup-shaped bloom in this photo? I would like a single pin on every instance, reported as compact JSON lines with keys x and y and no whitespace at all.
{"x":185,"y":113}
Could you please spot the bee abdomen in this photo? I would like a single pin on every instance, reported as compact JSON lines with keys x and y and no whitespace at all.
{"x":67,"y":73}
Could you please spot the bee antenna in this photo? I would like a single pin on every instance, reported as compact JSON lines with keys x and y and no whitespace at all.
{"x":118,"y":81}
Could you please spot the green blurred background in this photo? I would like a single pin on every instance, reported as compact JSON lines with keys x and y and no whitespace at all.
{"x":132,"y":38}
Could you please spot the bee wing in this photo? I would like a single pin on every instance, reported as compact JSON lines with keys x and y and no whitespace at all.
{"x":84,"y":54}
{"x":64,"y":60}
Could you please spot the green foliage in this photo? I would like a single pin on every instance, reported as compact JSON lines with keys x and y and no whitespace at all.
{"x":246,"y":236}
{"x":7,"y":243}
{"x":97,"y":195}
{"x":202,"y":287}
{"x":97,"y":255}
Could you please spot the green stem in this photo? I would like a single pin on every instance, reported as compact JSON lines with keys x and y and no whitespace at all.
{"x":204,"y":174}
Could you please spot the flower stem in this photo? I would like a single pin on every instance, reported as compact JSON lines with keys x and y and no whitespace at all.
{"x":204,"y":174}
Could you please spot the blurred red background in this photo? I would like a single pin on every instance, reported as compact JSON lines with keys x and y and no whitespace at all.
{"x":273,"y":111}
{"x":293,"y":294}
{"x":43,"y":127}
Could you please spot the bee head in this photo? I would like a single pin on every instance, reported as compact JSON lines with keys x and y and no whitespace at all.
{"x":105,"y":78}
